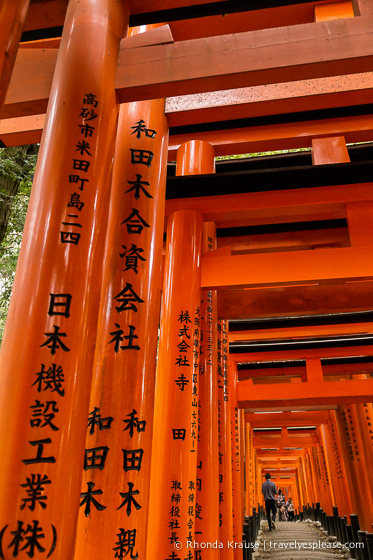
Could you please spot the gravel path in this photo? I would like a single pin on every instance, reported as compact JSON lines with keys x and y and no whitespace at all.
{"x":297,"y":541}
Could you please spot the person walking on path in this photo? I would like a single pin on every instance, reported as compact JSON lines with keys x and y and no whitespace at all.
{"x":269,"y":492}
{"x":290,"y":509}
{"x":281,"y":506}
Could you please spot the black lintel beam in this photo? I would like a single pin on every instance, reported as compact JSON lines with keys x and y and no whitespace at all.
{"x":260,"y":180}
{"x":298,"y":344}
{"x":302,"y":321}
{"x":210,"y":9}
{"x":288,"y":364}
{"x":271,"y":365}
{"x":265,"y":229}
{"x":42,"y":34}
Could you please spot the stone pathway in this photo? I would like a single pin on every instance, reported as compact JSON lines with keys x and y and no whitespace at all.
{"x":297,"y":541}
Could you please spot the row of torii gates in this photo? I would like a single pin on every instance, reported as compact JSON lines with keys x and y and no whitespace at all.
{"x":122,"y":441}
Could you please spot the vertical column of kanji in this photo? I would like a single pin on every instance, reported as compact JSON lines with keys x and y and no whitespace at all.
{"x":298,"y":490}
{"x":114,"y":505}
{"x":315,"y":478}
{"x":326,"y":480}
{"x":197,"y":157}
{"x":365,"y":413}
{"x":317,"y":482}
{"x":304,"y":481}
{"x":241,"y":416}
{"x":207,"y":515}
{"x":298,"y":483}
{"x":339,"y":419}
{"x":47,"y":354}
{"x":294,"y":492}
{"x":364,"y":417}
{"x":359,"y":476}
{"x":225,"y":454}
{"x":338,"y":435}
{"x":236,"y":459}
{"x":310,"y":478}
{"x":362,"y":452}
{"x":337,"y":475}
{"x":249,"y":466}
{"x":174,"y":451}
{"x":12,"y":18}
{"x":257,"y":479}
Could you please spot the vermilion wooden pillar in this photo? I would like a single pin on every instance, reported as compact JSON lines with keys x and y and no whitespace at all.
{"x":225,"y":450}
{"x":300,"y":484}
{"x":364,"y":442}
{"x":195,"y":158}
{"x":321,"y":490}
{"x":249,"y":464}
{"x":307,"y":478}
{"x":303,"y":482}
{"x":338,"y":434}
{"x":50,"y":332}
{"x":332,"y":477}
{"x":364,"y":413}
{"x":236,"y":459}
{"x":207,"y":520}
{"x":327,"y":480}
{"x":122,"y":397}
{"x":311,"y":477}
{"x":298,"y":489}
{"x":12,"y":18}
{"x":337,"y":467}
{"x":241,"y":416}
{"x":258,"y":480}
{"x":353,"y":455}
{"x":175,"y":433}
{"x":318,"y":485}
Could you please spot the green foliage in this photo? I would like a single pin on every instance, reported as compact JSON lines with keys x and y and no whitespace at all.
{"x":14,"y":167}
{"x":20,"y":170}
{"x":262,"y":154}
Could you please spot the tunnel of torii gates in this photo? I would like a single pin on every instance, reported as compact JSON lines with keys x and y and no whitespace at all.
{"x":177,"y":330}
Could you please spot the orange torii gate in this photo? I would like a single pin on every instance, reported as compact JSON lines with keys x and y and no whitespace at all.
{"x":261,"y":244}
